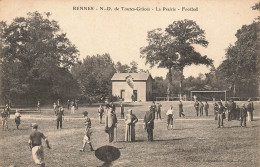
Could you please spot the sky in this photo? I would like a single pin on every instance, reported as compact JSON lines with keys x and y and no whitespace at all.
{"x":122,"y":33}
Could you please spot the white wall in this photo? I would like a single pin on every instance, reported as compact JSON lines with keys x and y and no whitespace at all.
{"x":117,"y":86}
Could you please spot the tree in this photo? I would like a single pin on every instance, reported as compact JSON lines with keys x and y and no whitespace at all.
{"x":133,"y":68}
{"x":35,"y":59}
{"x":94,"y":75}
{"x":241,"y":67}
{"x":174,"y":48}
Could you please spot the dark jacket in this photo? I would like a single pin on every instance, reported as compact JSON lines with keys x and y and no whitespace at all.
{"x":243,"y":112}
{"x":221,"y":109}
{"x":149,"y":117}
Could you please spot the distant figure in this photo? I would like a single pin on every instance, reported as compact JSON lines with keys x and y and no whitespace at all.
{"x":220,"y":110}
{"x":17,"y":119}
{"x":110,"y":124}
{"x":133,"y":97}
{"x":216,"y":110}
{"x":8,"y":110}
{"x":60,"y":114}
{"x":206,"y":107}
{"x":130,"y":120}
{"x":4,"y":115}
{"x":170,"y":116}
{"x":201,"y":106}
{"x":228,"y":108}
{"x":55,"y":108}
{"x":158,"y":110}
{"x":100,"y":111}
{"x":35,"y":144}
{"x":243,"y":114}
{"x":233,"y":112}
{"x":58,"y":102}
{"x":72,"y":108}
{"x":149,"y":123}
{"x":250,"y":109}
{"x":38,"y":106}
{"x":122,"y":110}
{"x":68,"y":104}
{"x":196,"y":106}
{"x":181,"y":109}
{"x":76,"y":104}
{"x":87,"y":132}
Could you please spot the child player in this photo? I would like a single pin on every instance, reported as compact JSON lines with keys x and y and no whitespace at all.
{"x":87,"y":132}
{"x":17,"y":119}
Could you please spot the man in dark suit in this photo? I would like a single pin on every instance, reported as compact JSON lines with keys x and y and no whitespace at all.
{"x":243,"y":114}
{"x":149,"y":123}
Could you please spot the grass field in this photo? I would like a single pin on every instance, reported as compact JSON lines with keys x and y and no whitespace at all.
{"x":194,"y":141}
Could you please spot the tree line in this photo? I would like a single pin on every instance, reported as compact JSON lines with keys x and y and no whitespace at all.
{"x":38,"y":62}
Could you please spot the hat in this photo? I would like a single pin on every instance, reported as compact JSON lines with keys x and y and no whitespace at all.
{"x":85,"y":113}
{"x":34,"y":125}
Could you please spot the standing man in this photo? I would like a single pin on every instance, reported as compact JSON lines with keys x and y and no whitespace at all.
{"x":206,"y":107}
{"x":158,"y":109}
{"x":68,"y":104}
{"x":4,"y":115}
{"x":38,"y":106}
{"x":250,"y":109}
{"x":229,"y":107}
{"x":35,"y":144}
{"x":201,"y":106}
{"x":100,"y":113}
{"x":243,"y":114}
{"x":110,"y":124}
{"x":216,"y":111}
{"x":122,"y":110}
{"x":59,"y":114}
{"x":196,"y":106}
{"x":149,"y":123}
{"x":87,"y":132}
{"x":181,"y":109}
{"x":170,"y":116}
{"x":221,"y":110}
{"x":58,"y":102}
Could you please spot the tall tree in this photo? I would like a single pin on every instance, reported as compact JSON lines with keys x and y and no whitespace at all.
{"x":174,"y":48}
{"x":94,"y":75}
{"x":36,"y":58}
{"x":241,"y":67}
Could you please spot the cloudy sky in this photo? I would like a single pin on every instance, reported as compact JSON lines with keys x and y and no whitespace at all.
{"x":122,"y":33}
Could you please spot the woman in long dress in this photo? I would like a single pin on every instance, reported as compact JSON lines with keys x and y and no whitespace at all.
{"x":130,"y":120}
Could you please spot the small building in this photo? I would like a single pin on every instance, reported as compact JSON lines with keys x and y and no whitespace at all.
{"x":132,"y":86}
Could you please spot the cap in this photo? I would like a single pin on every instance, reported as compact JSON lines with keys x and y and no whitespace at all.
{"x":34,"y":125}
{"x":85,"y":113}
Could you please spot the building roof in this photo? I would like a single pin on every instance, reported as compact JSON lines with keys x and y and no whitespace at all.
{"x":141,"y":76}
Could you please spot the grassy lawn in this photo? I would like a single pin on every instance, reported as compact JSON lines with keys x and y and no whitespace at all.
{"x":193,"y":142}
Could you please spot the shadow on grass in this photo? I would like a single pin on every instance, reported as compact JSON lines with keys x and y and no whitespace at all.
{"x":231,"y":127}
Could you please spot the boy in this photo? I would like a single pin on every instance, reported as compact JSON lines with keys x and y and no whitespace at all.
{"x":17,"y":119}
{"x":35,"y":144}
{"x":87,"y":132}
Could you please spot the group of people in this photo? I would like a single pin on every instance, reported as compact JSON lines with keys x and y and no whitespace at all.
{"x":200,"y":107}
{"x":5,"y":114}
{"x":154,"y":110}
{"x":233,"y":111}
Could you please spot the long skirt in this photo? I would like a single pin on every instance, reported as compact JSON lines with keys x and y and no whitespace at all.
{"x":72,"y":110}
{"x":38,"y":156}
{"x":130,"y":133}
